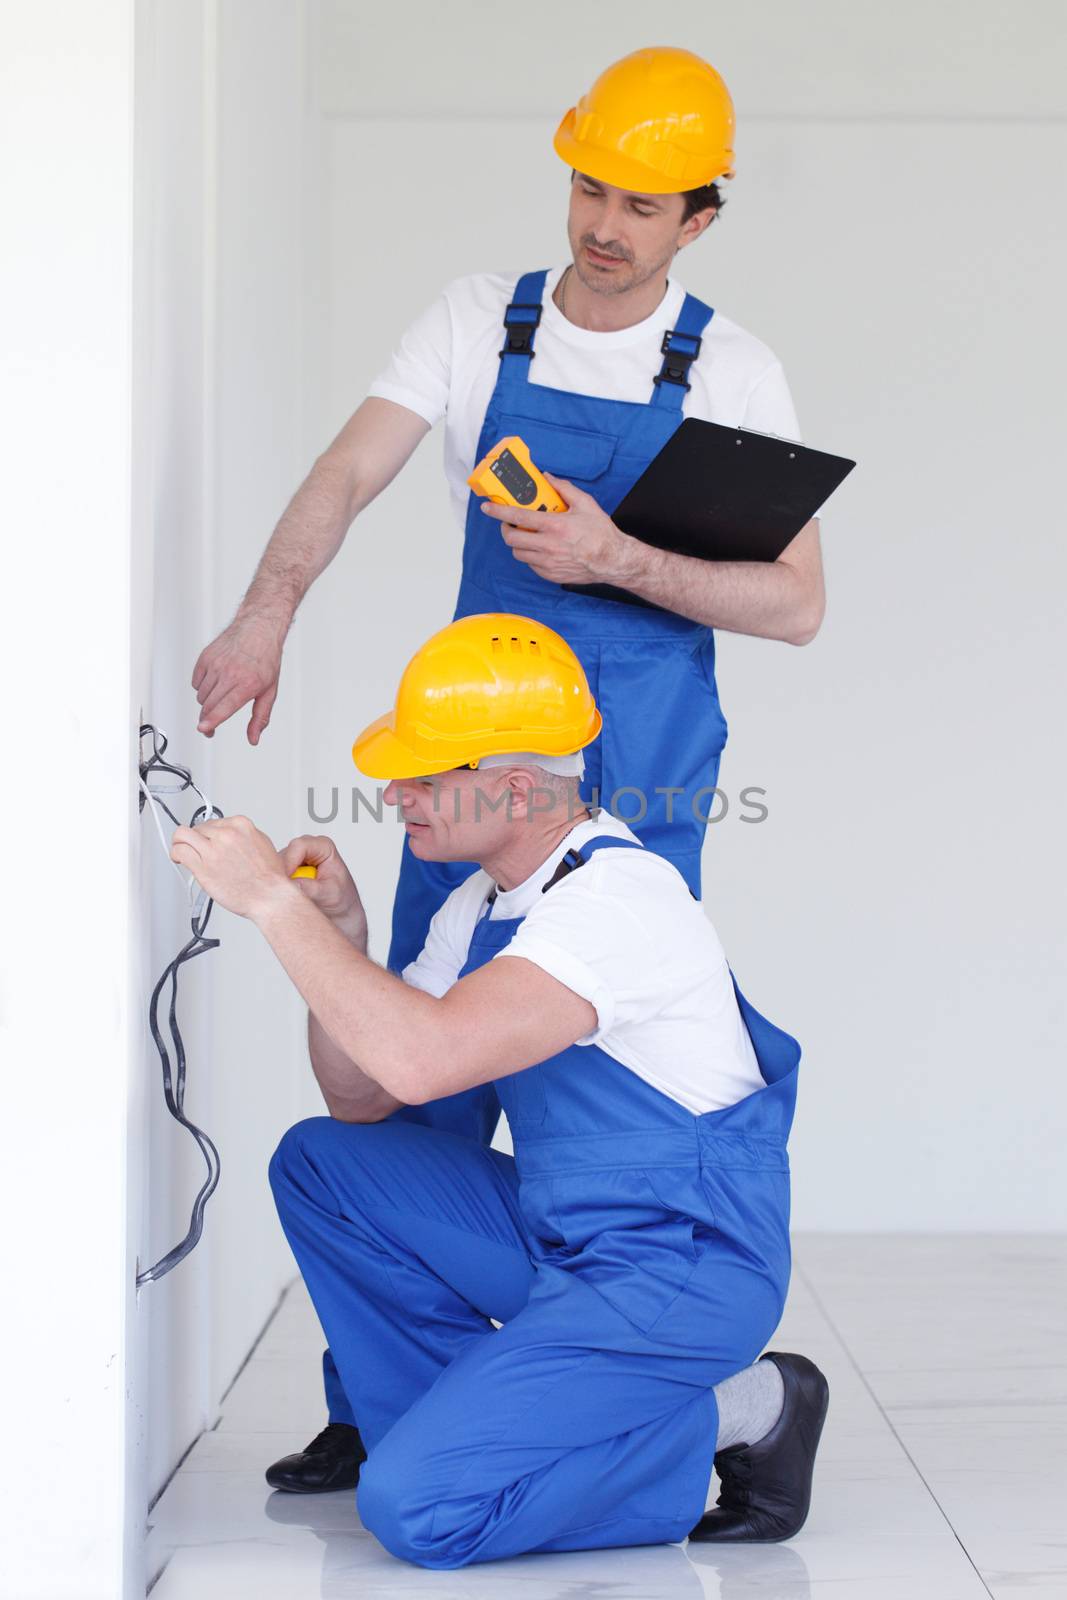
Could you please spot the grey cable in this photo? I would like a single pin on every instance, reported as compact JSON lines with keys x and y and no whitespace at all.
{"x":174,"y":1072}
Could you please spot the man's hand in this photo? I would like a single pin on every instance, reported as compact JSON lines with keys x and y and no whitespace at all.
{"x":242,"y":664}
{"x":334,"y":890}
{"x":579,"y":545}
{"x":235,"y":863}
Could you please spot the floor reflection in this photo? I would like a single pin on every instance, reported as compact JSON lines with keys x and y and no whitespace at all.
{"x":353,"y":1563}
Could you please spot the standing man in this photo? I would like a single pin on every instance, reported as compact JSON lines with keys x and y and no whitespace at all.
{"x":594,"y":365}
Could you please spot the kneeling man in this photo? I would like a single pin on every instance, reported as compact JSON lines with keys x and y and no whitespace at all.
{"x":635,"y":1249}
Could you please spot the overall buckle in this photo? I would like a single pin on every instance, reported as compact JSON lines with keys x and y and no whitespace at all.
{"x":676,"y":363}
{"x":570,"y":863}
{"x":519,"y":331}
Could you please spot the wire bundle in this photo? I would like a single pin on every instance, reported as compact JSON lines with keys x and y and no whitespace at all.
{"x":172,"y":1056}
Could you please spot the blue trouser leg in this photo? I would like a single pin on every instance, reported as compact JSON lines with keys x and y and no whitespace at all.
{"x":474,"y":1113}
{"x":337,"y":1406}
{"x":380,"y":1353}
{"x":568,"y":1428}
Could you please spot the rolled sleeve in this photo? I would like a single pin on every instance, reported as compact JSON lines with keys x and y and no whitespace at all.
{"x":429,"y":410}
{"x":417,"y":975}
{"x":419,"y":373}
{"x":572,"y":972}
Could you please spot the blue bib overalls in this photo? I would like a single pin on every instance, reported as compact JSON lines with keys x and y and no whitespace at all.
{"x":651,"y":672}
{"x":636,"y":1254}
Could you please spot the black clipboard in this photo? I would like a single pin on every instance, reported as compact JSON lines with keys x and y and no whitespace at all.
{"x":723,"y":494}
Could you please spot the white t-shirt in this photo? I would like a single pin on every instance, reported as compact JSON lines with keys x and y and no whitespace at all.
{"x":625,"y":933}
{"x":446,"y":366}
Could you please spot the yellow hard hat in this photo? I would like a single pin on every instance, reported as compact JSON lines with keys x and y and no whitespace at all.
{"x":659,"y":121}
{"x":485,"y":685}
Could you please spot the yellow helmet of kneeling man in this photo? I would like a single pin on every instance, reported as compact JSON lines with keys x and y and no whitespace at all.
{"x":486,"y":685}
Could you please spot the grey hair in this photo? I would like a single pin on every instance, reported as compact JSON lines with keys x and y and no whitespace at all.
{"x":563,"y":791}
{"x":560,"y":788}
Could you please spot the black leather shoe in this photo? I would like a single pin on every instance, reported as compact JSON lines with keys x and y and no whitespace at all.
{"x":765,"y":1488}
{"x":331,"y":1461}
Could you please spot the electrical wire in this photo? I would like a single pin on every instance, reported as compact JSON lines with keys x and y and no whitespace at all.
{"x":174,"y":1068}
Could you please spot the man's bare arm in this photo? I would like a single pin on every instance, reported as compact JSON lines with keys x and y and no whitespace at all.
{"x":498,"y":1020}
{"x":375,"y":442}
{"x":783,"y":599}
{"x":349,"y":1093}
{"x":244,"y":662}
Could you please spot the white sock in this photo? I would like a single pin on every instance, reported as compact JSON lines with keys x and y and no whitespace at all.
{"x":750,"y":1404}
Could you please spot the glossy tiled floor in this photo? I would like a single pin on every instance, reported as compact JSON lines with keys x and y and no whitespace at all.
{"x":942,"y":1474}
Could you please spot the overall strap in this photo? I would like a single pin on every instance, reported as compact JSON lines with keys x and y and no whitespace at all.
{"x":521,"y":321}
{"x":680,"y":347}
{"x":571,"y":861}
{"x":578,"y":858}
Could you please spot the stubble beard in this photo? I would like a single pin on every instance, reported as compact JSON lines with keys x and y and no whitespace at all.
{"x":640,"y":273}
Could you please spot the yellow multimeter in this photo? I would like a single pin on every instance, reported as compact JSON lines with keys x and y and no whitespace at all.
{"x":508,"y":477}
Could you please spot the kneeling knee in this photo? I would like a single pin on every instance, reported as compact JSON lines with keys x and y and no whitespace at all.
{"x":321,"y":1158}
{"x":308,"y":1152}
{"x":387,"y":1509}
{"x":295,"y":1145}
{"x":427,"y":1531}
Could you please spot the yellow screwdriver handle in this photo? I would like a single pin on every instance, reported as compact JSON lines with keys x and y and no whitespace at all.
{"x":306,"y":871}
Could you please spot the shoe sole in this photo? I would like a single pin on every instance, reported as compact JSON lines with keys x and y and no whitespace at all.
{"x":307,"y":1488}
{"x":291,"y":1488}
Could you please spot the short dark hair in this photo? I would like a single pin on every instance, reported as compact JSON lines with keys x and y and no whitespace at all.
{"x":706,"y":198}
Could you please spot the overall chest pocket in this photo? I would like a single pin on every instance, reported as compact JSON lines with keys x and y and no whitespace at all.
{"x":572,"y":453}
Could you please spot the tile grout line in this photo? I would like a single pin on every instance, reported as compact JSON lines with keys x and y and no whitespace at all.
{"x":154,"y":1578}
{"x":150,"y":1585}
{"x":255,"y":1346}
{"x":187,"y":1452}
{"x":832,"y":1325}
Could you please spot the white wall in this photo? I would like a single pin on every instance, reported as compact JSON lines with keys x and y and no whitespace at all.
{"x":217,"y":430}
{"x":151,"y":389}
{"x":153,"y":411}
{"x":893,"y":235}
{"x":69,"y":1033}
